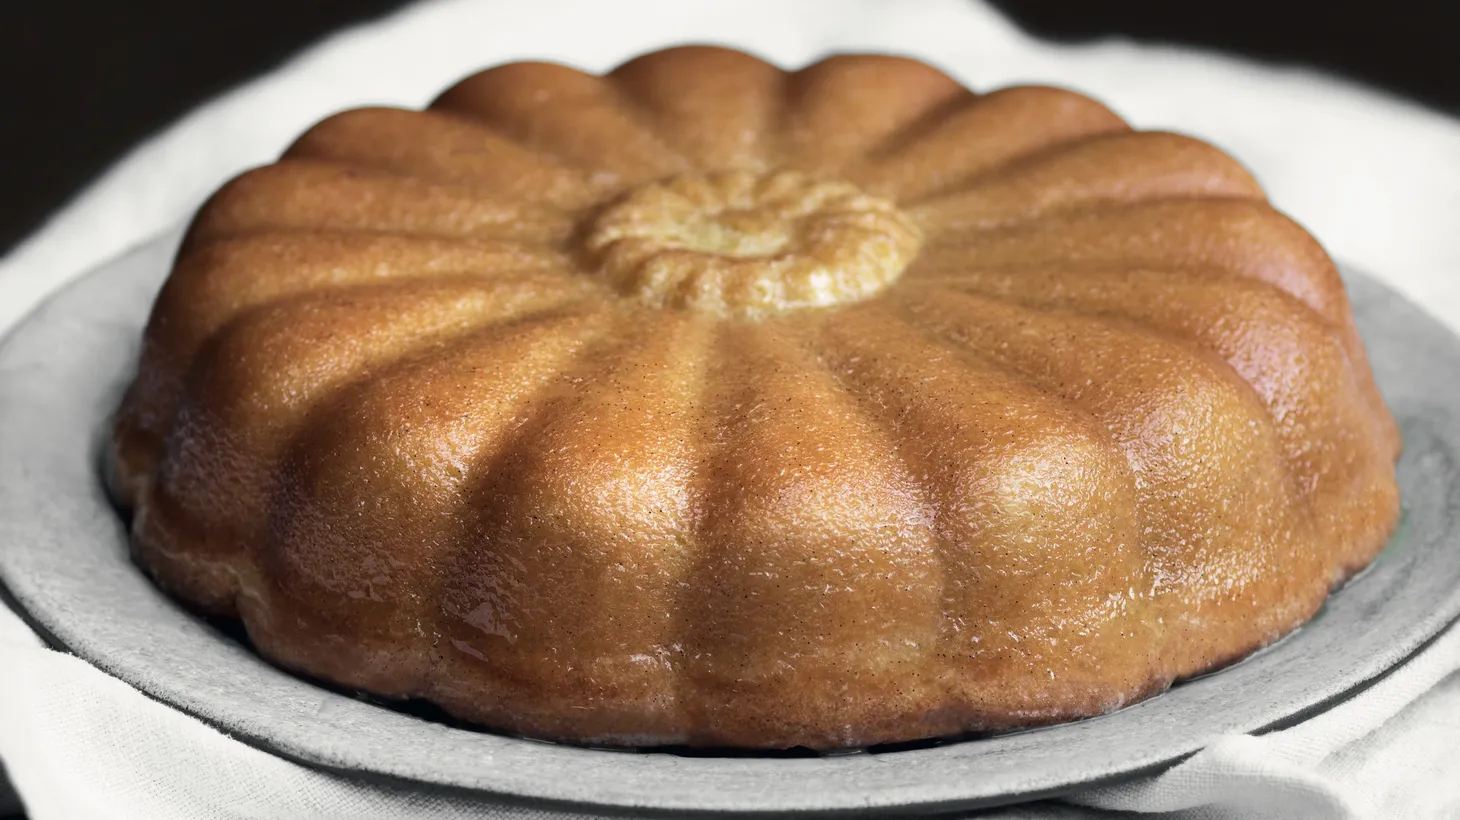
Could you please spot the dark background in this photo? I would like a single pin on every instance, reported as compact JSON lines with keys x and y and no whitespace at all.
{"x":83,"y":81}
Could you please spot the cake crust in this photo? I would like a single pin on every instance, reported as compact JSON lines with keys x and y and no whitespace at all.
{"x":705,"y":403}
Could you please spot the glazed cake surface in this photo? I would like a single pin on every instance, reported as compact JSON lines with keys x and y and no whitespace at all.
{"x":705,"y":403}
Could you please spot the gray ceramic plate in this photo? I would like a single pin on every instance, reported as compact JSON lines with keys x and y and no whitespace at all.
{"x":63,"y":557}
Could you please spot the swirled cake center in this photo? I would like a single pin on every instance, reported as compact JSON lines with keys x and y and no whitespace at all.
{"x":750,"y":245}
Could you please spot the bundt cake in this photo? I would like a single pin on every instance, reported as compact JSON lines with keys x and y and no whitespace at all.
{"x":706,"y":403}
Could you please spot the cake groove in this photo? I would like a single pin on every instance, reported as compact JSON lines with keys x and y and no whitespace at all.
{"x":987,"y":131}
{"x":831,"y":120}
{"x":550,"y":108}
{"x":716,"y":107}
{"x":1089,"y":173}
{"x":326,"y":196}
{"x":452,"y":148}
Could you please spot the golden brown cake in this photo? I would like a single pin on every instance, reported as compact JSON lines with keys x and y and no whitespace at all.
{"x":706,"y":403}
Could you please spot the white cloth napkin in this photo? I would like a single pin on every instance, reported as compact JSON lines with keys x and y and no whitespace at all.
{"x":1376,"y":179}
